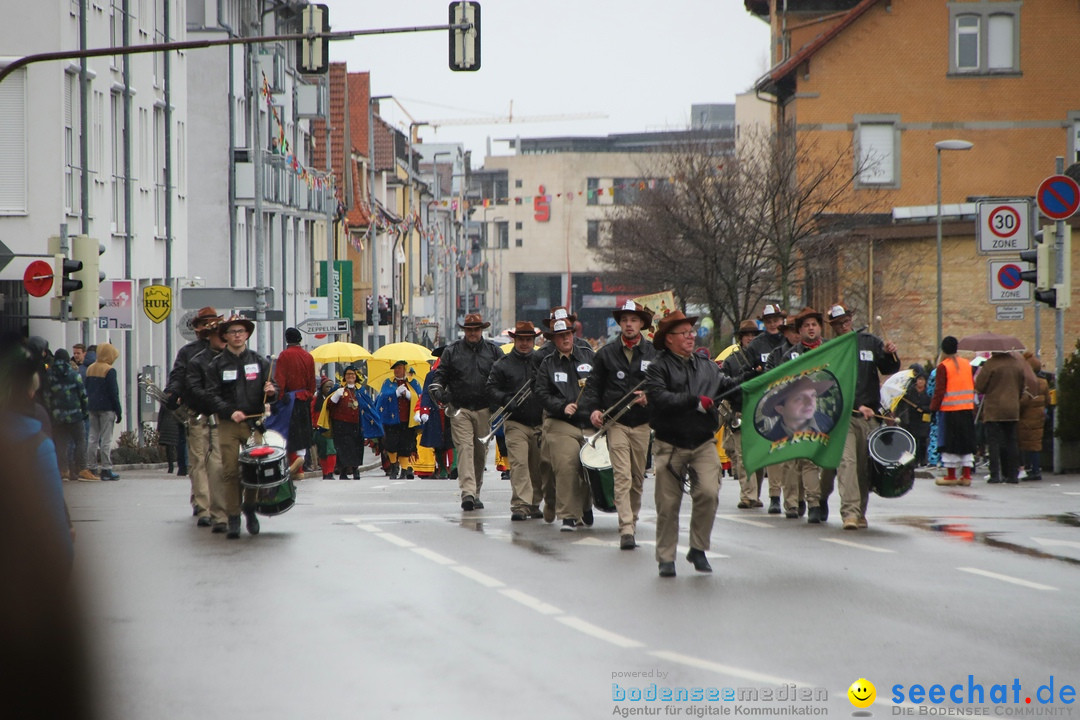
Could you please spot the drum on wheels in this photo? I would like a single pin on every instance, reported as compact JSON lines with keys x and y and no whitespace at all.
{"x":892,"y":455}
{"x":596,"y":465}
{"x":265,"y":469}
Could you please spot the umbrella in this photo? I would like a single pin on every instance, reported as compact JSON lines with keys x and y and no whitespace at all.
{"x":339,"y":352}
{"x":726,"y":352}
{"x":990,"y":342}
{"x":893,"y":389}
{"x":410,"y":352}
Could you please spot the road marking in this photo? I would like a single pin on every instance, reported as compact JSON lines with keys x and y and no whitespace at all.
{"x":746,"y":521}
{"x":860,"y":546}
{"x":378,"y":487}
{"x":400,"y":482}
{"x":725,"y":669}
{"x":531,"y":602}
{"x":365,"y":526}
{"x":1006,"y":578}
{"x":394,"y":539}
{"x":1061,"y":543}
{"x":485,"y":580}
{"x":598,"y":632}
{"x":433,"y":556}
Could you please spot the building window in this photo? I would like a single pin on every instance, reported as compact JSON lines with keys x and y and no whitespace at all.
{"x":517,"y":225}
{"x":592,"y":235}
{"x":517,"y":183}
{"x":518,"y":242}
{"x":502,"y":233}
{"x":119,"y":139}
{"x":13,"y":143}
{"x":876,"y":143}
{"x":72,"y":175}
{"x":984,"y":37}
{"x":591,"y":186}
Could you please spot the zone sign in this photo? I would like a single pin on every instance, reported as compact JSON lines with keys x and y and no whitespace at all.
{"x":1004,"y":226}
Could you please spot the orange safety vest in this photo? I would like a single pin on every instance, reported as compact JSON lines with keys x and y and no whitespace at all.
{"x":959,"y":386}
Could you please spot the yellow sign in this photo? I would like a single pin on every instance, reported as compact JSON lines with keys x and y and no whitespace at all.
{"x":660,"y":304}
{"x":157,"y":302}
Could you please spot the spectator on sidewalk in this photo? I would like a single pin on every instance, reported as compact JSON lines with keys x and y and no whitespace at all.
{"x":103,"y":401}
{"x":65,"y":399}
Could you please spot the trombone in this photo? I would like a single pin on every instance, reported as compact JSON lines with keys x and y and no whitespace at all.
{"x":611,"y":416}
{"x":503,"y":414}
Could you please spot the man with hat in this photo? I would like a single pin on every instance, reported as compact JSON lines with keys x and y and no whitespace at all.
{"x":176,"y":395}
{"x":398,"y":399}
{"x":560,"y":381}
{"x":772,"y":341}
{"x":740,"y":365}
{"x":239,"y":384}
{"x":613,"y":386}
{"x":461,"y":382}
{"x":683,"y":389}
{"x":506,"y":387}
{"x":294,"y":372}
{"x":203,"y":448}
{"x":795,"y":410}
{"x":875,"y":358}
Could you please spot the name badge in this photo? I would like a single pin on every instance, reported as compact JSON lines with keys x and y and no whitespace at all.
{"x":584,"y":368}
{"x":764,"y":357}
{"x":866,"y":355}
{"x":560,"y":377}
{"x":228,"y":375}
{"x":794,"y":355}
{"x":620,"y":374}
{"x":645,"y":365}
{"x":251,"y":371}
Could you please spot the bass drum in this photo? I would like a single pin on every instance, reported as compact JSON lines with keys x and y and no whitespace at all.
{"x":892,"y":466}
{"x":263,"y":466}
{"x":596,"y":465}
{"x":275,"y":500}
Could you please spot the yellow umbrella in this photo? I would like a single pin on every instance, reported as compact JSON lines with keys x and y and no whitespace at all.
{"x":507,"y":347}
{"x":339,"y":352}
{"x":410,"y":352}
{"x":725,"y":352}
{"x":379,"y":370}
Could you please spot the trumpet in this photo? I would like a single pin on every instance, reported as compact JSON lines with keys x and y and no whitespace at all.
{"x":503,"y":414}
{"x":611,"y":415}
{"x":156,"y":393}
{"x":728,"y":415}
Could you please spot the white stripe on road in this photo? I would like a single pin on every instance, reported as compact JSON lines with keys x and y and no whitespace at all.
{"x":485,"y":580}
{"x":433,"y":556}
{"x":746,"y":521}
{"x":531,"y":602}
{"x":1006,"y":578}
{"x":725,"y":669}
{"x":378,"y":487}
{"x":391,"y":538}
{"x":365,"y":526}
{"x":598,"y":632}
{"x":860,"y":546}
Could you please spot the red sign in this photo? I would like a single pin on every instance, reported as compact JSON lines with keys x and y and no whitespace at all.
{"x":38,"y":278}
{"x":542,"y":206}
{"x":1058,"y":197}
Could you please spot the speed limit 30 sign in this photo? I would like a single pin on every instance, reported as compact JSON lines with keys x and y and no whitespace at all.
{"x":1004,"y":226}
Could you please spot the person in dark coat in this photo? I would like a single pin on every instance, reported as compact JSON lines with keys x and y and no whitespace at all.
{"x":1032,"y":418}
{"x":435,"y":432}
{"x":65,"y":399}
{"x":173,"y":437}
{"x":914,"y":415}
{"x":103,"y":402}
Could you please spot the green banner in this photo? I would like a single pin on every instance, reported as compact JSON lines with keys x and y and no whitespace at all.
{"x":342,"y":304}
{"x":802,"y":408}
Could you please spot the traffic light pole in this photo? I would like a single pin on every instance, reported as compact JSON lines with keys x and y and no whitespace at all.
{"x":1059,"y":315}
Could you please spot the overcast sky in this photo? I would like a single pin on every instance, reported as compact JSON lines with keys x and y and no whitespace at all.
{"x":639,"y":64}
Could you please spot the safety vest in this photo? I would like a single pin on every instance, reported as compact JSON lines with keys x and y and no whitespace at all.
{"x":959,"y":386}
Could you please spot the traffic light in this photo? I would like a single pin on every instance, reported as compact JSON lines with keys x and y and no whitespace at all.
{"x":1044,"y":256}
{"x":465,"y":44}
{"x":63,"y":284}
{"x":86,"y":251}
{"x":313,"y":56}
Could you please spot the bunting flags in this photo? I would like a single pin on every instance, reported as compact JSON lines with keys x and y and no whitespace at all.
{"x":280,"y":145}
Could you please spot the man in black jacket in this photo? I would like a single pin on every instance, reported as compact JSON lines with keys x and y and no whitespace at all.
{"x":460,"y":382}
{"x":506,"y":386}
{"x":741,"y":366}
{"x":203,"y":448}
{"x":617,"y":375}
{"x":683,"y":388}
{"x":239,"y":385}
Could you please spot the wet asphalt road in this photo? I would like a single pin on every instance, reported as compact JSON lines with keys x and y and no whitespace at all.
{"x":380,"y":598}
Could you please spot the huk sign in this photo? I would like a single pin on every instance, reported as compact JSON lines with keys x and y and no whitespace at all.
{"x":157,"y":302}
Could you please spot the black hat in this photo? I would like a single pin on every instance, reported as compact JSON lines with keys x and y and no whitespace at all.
{"x":293,"y":336}
{"x":399,"y":362}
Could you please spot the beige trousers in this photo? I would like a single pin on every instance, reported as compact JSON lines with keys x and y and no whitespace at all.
{"x":523,"y":447}
{"x":853,"y":475}
{"x":229,"y":492}
{"x":562,"y":443}
{"x":205,"y":456}
{"x":671,"y":464}
{"x":467,"y":427}
{"x":628,"y":448}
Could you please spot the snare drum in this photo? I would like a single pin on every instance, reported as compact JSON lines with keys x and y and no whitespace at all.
{"x":263,"y":466}
{"x":275,"y":500}
{"x":892,"y":467}
{"x":596,"y":464}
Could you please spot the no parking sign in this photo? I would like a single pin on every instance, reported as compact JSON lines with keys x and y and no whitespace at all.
{"x":1005,"y":283}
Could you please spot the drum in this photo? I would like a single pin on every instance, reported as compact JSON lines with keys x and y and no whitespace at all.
{"x":263,"y":466}
{"x":275,"y":500}
{"x":274,"y":439}
{"x":892,"y":455}
{"x":596,"y":464}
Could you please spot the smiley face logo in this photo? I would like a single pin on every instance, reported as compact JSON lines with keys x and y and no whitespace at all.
{"x":862,"y":693}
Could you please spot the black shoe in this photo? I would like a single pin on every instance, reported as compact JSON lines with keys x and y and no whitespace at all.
{"x":234,"y":527}
{"x":409,"y":474}
{"x":791,"y":514}
{"x":774,"y":506}
{"x":356,"y":475}
{"x":170,"y":470}
{"x":536,"y":513}
{"x":252,"y":522}
{"x":181,"y":472}
{"x":518,"y":515}
{"x":701,"y":563}
{"x":195,"y":510}
{"x":824,"y":507}
{"x":218,"y":528}
{"x":802,"y":508}
{"x":1033,"y":477}
{"x":394,"y":472}
{"x":343,"y":476}
{"x":568,"y":525}
{"x":627,"y":542}
{"x":814,"y":516}
{"x":453,"y":474}
{"x":744,"y":505}
{"x":1013,"y":481}
{"x":468,"y":502}
{"x":477,"y":504}
{"x":203,"y":522}
{"x":992,"y":481}
{"x":587,"y":518}
{"x":328,"y":477}
{"x":667,"y":569}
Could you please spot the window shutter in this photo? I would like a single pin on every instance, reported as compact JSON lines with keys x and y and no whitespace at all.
{"x":999,"y":41}
{"x":13,"y":143}
{"x":876,"y":153}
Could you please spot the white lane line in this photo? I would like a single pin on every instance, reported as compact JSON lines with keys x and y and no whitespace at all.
{"x":433,"y":556}
{"x":530,"y":602}
{"x":598,"y":632}
{"x":860,"y":546}
{"x":396,"y":540}
{"x":366,"y":526}
{"x":746,"y":521}
{"x":401,"y":482}
{"x":485,"y":580}
{"x":378,"y":487}
{"x":1007,"y":578}
{"x":725,"y":669}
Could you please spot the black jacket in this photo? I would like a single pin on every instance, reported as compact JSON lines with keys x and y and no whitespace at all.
{"x":674,"y":386}
{"x":740,"y":366}
{"x":872,"y":360}
{"x":557,"y":384}
{"x":761,"y":346}
{"x":507,"y":376}
{"x":613,"y":376}
{"x":177,"y":385}
{"x":461,"y":378}
{"x":197,"y":397}
{"x":235,"y":382}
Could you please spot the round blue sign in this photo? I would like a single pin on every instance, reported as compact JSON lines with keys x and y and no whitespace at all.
{"x":1009,"y":277}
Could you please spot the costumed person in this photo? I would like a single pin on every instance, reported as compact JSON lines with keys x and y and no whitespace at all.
{"x":1032,"y":418}
{"x":324,"y":437}
{"x":683,"y":388}
{"x":436,"y":426}
{"x":740,"y":365}
{"x":294,"y":373}
{"x":397,"y":404}
{"x":345,"y":424}
{"x":954,"y":402}
{"x":103,"y":402}
{"x":240,"y":384}
{"x":204,"y":450}
{"x":914,"y":413}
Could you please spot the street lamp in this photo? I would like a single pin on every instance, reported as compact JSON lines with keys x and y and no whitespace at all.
{"x":371,"y":220}
{"x":943,"y":145}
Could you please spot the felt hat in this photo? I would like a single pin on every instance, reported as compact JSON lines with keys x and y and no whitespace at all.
{"x":632,"y":308}
{"x":666,"y":325}
{"x":523,"y":329}
{"x":560,"y":313}
{"x":224,"y":325}
{"x":558,"y":327}
{"x":473,"y":321}
{"x":808,"y":312}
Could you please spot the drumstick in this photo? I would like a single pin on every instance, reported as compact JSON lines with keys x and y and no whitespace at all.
{"x":270,"y":377}
{"x":884,"y":333}
{"x":582,"y":390}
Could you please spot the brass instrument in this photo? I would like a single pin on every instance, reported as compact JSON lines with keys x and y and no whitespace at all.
{"x":503,"y":414}
{"x":612,"y":416}
{"x":182,"y":416}
{"x":729,"y":417}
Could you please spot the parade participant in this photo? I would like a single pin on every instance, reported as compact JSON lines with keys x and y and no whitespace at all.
{"x":103,"y":402}
{"x":436,"y":426}
{"x":614,"y":384}
{"x":683,"y":389}
{"x":345,"y":415}
{"x":740,"y":365}
{"x":324,"y":438}
{"x":204,"y":451}
{"x":506,"y":387}
{"x":239,"y":384}
{"x":1001,"y":381}
{"x":560,"y":380}
{"x":460,"y":383}
{"x":175,"y":393}
{"x":294,"y":372}
{"x":766,"y":350}
{"x":853,"y":475}
{"x":954,"y":401}
{"x":397,"y":405}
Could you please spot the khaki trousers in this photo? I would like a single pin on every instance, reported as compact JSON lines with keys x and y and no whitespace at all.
{"x":523,"y":447}
{"x":820,"y":493}
{"x":229,"y":492}
{"x":671,"y":463}
{"x":797,"y":473}
{"x":562,"y":442}
{"x":205,"y":456}
{"x":748,"y":486}
{"x":628,"y":448}
{"x":853,"y":475}
{"x":467,"y":427}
